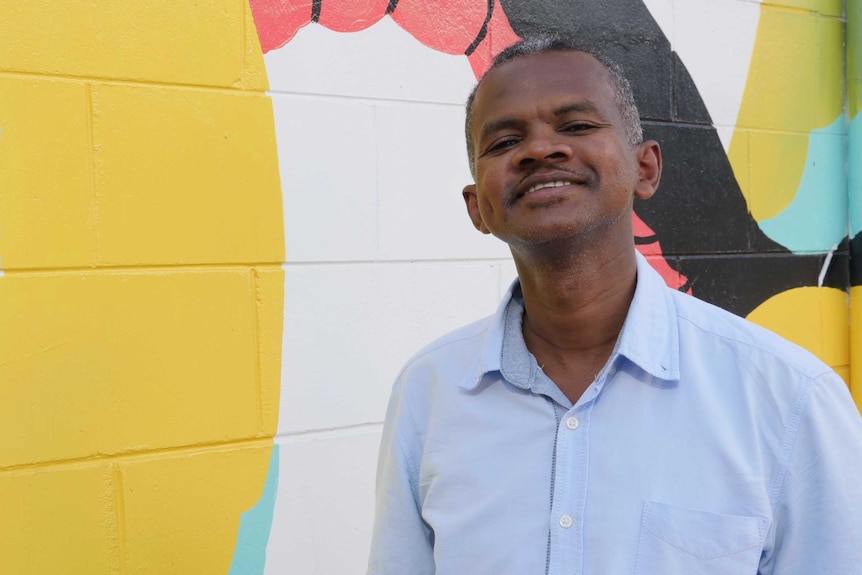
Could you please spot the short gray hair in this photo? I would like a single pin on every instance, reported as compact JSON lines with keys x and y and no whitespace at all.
{"x":554,"y":43}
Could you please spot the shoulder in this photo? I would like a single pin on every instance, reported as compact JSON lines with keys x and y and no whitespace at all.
{"x":725,"y":333}
{"x":431,"y":381}
{"x":457,"y":352}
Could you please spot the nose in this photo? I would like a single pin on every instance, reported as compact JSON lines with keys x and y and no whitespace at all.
{"x":545,"y":146}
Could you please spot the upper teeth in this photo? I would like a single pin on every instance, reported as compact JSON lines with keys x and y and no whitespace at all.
{"x":556,"y":184}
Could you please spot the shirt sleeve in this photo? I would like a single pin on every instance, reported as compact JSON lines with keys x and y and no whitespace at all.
{"x":401,"y":542}
{"x":817,"y":519}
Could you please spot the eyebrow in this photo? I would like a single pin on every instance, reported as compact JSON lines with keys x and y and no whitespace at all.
{"x":582,"y":106}
{"x":498,"y":125}
{"x":585,"y":106}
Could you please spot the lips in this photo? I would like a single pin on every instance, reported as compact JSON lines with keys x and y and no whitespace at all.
{"x":542,"y":181}
{"x":554,"y":184}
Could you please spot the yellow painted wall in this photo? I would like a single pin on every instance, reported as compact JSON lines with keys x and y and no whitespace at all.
{"x":795,"y":86}
{"x":854,"y":162}
{"x":141,"y":296}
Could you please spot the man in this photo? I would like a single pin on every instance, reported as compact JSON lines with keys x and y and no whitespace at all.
{"x":601,"y":423}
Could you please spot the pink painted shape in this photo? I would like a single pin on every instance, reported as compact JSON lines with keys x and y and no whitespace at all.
{"x":448,"y":26}
{"x":654,"y":255}
{"x":351,"y":15}
{"x":641,"y":230}
{"x":278,"y":21}
{"x":499,"y":36}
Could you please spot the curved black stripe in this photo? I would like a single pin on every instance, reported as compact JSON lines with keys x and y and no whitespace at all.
{"x":855,"y":264}
{"x":315,"y":10}
{"x":642,"y":240}
{"x":392,"y":5}
{"x":483,"y":31}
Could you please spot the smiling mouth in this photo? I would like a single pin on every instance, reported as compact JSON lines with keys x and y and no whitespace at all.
{"x":555,"y":184}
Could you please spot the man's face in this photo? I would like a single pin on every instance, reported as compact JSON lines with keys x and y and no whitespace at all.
{"x":552,"y":159}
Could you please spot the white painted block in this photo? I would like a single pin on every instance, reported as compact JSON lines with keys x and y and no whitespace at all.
{"x":423,"y":169}
{"x":715,"y":39}
{"x":508,"y":273}
{"x":383,"y":62}
{"x":662,"y":13}
{"x":324,"y":507}
{"x":725,"y":134}
{"x":328,"y":178}
{"x":348,"y":330}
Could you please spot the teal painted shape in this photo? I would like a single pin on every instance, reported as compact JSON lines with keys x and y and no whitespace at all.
{"x":249,"y":555}
{"x":854,"y":174}
{"x":817,"y":217}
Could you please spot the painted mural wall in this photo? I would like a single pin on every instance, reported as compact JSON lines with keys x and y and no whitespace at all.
{"x":854,"y":164}
{"x":225,"y":225}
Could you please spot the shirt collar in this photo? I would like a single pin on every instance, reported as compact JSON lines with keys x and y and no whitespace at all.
{"x":649,"y":337}
{"x":517,"y":364}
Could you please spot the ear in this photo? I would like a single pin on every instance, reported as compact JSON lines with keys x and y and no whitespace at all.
{"x":649,"y":169}
{"x":472,"y":201}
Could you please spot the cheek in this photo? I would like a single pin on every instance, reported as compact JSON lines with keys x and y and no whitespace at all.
{"x":486,"y":207}
{"x":488,"y":194}
{"x":616,"y":164}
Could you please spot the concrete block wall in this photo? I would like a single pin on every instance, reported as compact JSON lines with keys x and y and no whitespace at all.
{"x":140,"y":300}
{"x":225,"y":225}
{"x":854,"y":173}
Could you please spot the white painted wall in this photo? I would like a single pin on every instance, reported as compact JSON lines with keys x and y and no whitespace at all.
{"x":381,"y":257}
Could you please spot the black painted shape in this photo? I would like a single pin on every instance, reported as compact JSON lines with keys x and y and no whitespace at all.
{"x":687,"y":105}
{"x":315,"y":10}
{"x":838,"y":273}
{"x":855,"y":264}
{"x":698,"y":177}
{"x":392,"y":5}
{"x":623,"y":29}
{"x":698,"y":208}
{"x":698,"y":214}
{"x":741,"y":283}
{"x":483,"y":31}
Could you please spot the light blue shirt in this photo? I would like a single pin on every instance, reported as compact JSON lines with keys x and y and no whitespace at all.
{"x":706,"y":445}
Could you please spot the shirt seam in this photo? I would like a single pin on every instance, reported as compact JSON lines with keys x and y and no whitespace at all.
{"x":439,"y":345}
{"x":789,"y":443}
{"x":753,"y":346}
{"x":413,"y":471}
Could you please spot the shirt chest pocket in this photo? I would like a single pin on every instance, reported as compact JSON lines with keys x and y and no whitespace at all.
{"x":675,"y":540}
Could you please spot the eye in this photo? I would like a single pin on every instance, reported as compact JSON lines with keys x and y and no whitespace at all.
{"x":576,"y":127}
{"x":501,"y":144}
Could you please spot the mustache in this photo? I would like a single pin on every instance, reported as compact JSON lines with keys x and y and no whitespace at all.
{"x":513,"y":193}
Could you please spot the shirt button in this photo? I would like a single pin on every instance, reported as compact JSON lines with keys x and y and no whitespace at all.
{"x":612,"y":370}
{"x":566,"y":521}
{"x":572,"y":423}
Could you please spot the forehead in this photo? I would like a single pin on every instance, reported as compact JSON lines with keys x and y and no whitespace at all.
{"x":548,"y":79}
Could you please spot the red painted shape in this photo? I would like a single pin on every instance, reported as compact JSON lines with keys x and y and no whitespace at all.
{"x":278,"y":21}
{"x":448,"y":26}
{"x":351,"y":15}
{"x":655,"y":257}
{"x":500,"y":36}
{"x":641,"y":230}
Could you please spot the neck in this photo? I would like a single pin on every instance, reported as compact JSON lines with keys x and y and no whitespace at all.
{"x":574,"y":309}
